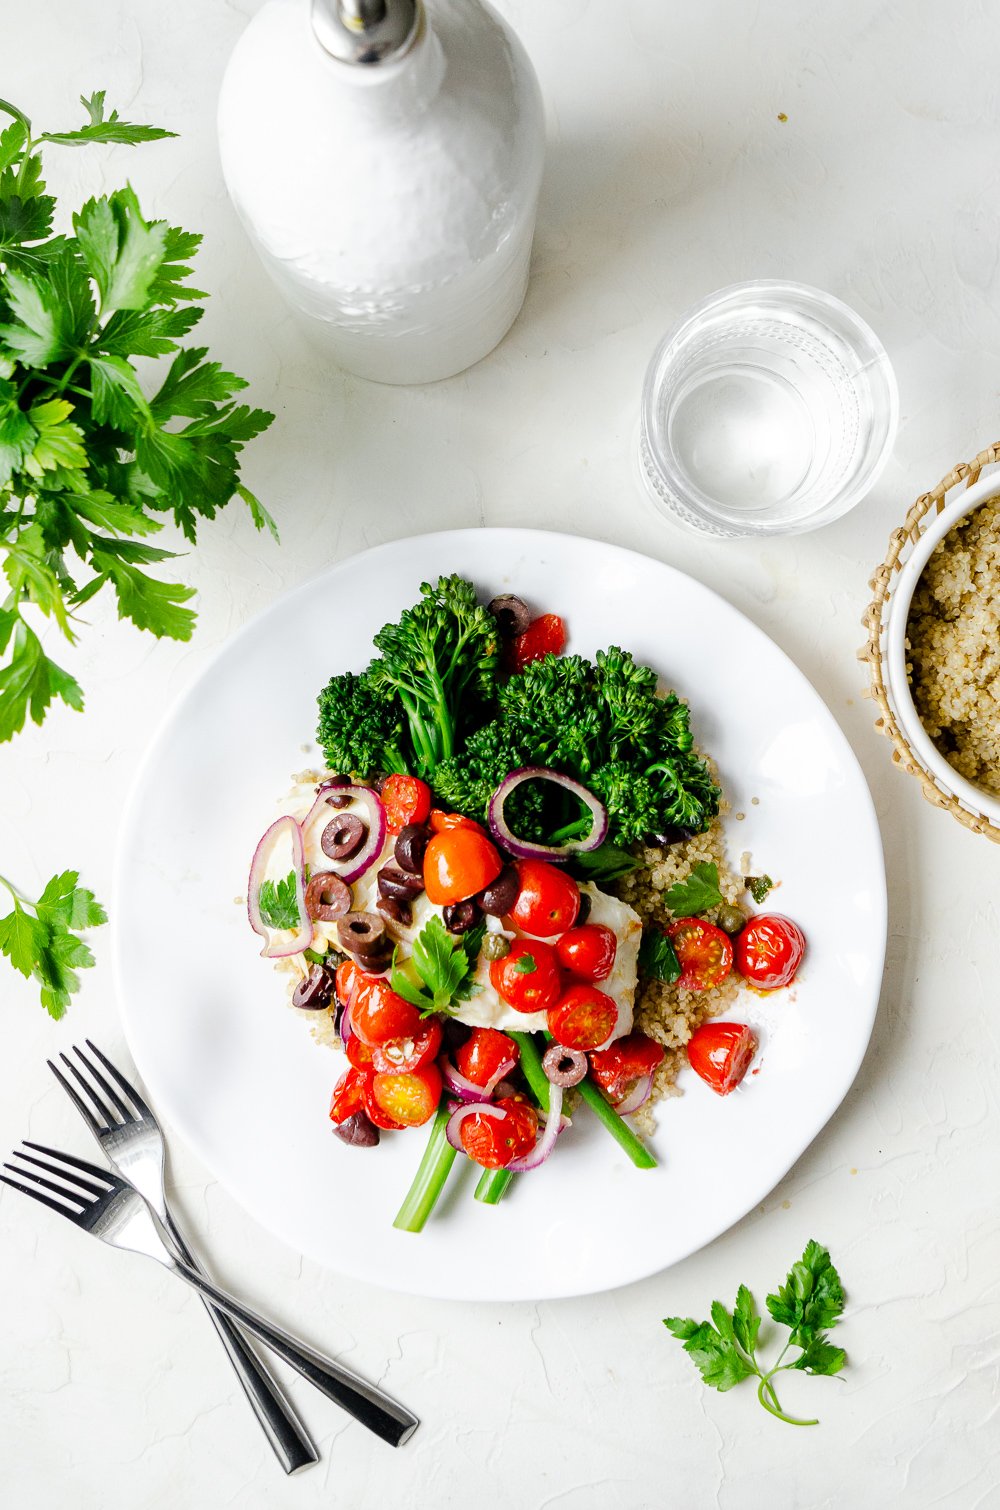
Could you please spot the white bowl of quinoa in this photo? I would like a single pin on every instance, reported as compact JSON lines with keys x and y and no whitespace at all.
{"x":942,"y":649}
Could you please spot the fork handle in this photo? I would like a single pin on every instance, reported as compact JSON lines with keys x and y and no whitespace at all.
{"x":393,"y":1423}
{"x":275,"y":1412}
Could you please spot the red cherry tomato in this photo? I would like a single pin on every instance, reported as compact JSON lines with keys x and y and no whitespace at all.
{"x":588,"y":952}
{"x":378,"y":1014}
{"x":409,"y":1099}
{"x":403,"y":1055}
{"x":769,"y":950}
{"x":358,"y":1053}
{"x":720,"y":1052}
{"x":343,"y":981}
{"x":459,"y":862}
{"x":548,"y":901}
{"x":622,"y":1063}
{"x":528,"y":978}
{"x":544,"y":636}
{"x":584,"y":1018}
{"x":406,"y":799}
{"x":704,"y":951}
{"x":375,"y":1112}
{"x":494,"y":1142}
{"x":482,"y":1054}
{"x":441,"y":821}
{"x":348,"y":1095}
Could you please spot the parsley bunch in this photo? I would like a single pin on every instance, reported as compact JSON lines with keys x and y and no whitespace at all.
{"x":725,"y":1353}
{"x":90,"y":455}
{"x":41,"y":939}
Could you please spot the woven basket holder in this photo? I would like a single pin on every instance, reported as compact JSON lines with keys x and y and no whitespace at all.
{"x":901,"y":543}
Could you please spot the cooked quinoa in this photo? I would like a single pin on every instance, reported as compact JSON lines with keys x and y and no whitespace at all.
{"x":954,"y":647}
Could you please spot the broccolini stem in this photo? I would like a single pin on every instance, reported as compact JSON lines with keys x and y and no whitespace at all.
{"x":534,"y":1073}
{"x":492,"y":1185}
{"x":429,"y":1180}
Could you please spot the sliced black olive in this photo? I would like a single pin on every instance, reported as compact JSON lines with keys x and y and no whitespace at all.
{"x":315,"y":990}
{"x":395,"y":911}
{"x":343,"y":837}
{"x":358,"y":1131}
{"x":670,"y":835}
{"x":501,"y":894}
{"x":401,"y":884}
{"x":562,"y":1066}
{"x":511,"y":613}
{"x":330,"y":784}
{"x":327,"y":897}
{"x":362,"y":933}
{"x":410,"y":847}
{"x":459,"y":917}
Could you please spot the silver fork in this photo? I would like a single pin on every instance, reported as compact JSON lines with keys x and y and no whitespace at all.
{"x":135,"y":1147}
{"x":108,"y":1208}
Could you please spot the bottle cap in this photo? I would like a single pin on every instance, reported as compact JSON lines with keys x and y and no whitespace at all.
{"x":366,"y":31}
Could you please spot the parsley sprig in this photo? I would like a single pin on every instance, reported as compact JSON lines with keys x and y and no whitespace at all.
{"x":89,"y":454}
{"x":440,"y":970}
{"x":725,"y":1349}
{"x":279,"y":903}
{"x":41,"y":939}
{"x":698,"y":893}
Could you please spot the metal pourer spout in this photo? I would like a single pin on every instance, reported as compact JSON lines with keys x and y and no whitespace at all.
{"x":366,"y":31}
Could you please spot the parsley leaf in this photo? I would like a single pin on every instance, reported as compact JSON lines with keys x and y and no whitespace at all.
{"x":105,"y":129}
{"x":609,"y":862}
{"x":278,"y":902}
{"x":725,"y":1349}
{"x":697,"y":893}
{"x":41,"y":938}
{"x":758,"y":887}
{"x":525,"y":964}
{"x":443,"y":964}
{"x":658,"y":957}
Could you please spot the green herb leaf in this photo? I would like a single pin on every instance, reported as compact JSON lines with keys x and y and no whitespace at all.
{"x":715,"y":1353}
{"x":698,"y":893}
{"x":758,"y":887}
{"x":821,"y":1357}
{"x":278,"y":902}
{"x":746,"y":1322}
{"x":812,"y":1298}
{"x":41,"y":939}
{"x":525,"y":964}
{"x":657,"y":956}
{"x":609,"y":862}
{"x":101,"y":128}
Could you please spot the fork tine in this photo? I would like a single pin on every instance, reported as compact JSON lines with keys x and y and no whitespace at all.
{"x":124,"y":1111}
{"x":36,"y":1195}
{"x":93,"y":1170}
{"x":105,"y":1111}
{"x":64,"y":1174}
{"x":126,"y":1085}
{"x":67,"y":1195}
{"x":78,"y":1102}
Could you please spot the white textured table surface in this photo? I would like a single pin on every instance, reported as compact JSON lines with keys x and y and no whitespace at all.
{"x":669,"y":174}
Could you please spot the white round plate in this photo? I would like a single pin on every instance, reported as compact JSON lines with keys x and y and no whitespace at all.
{"x":238,"y":1074}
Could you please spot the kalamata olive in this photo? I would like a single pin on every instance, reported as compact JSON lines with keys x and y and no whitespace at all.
{"x":395,"y":911}
{"x":401,"y":884}
{"x":500,"y":896}
{"x":730,"y":919}
{"x":362,"y":933}
{"x":459,"y":917}
{"x":562,"y":1066}
{"x":329,"y":784}
{"x":330,"y":781}
{"x":378,"y":781}
{"x":670,"y":835}
{"x":358,"y":1131}
{"x":410,"y":846}
{"x":327,"y":897}
{"x":511,"y":613}
{"x":343,"y":837}
{"x":314,"y":990}
{"x":586,"y":902}
{"x":495,"y":946}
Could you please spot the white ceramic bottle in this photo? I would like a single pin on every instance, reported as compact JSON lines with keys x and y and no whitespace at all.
{"x":385,"y":157}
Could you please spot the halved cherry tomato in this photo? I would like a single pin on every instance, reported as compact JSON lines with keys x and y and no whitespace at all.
{"x":441,"y":821}
{"x":528,"y":978}
{"x":409,"y":1099}
{"x":343,"y":981}
{"x":348,"y":1095}
{"x":545,"y":635}
{"x":720,"y":1052}
{"x":584,"y":1018}
{"x":482,"y":1054}
{"x":375,"y":1112}
{"x":622,"y":1063}
{"x":358,"y":1053}
{"x":548,"y":901}
{"x":589,"y":951}
{"x":769,"y":951}
{"x":406,"y":799}
{"x":704,"y":951}
{"x":458,"y":862}
{"x":378,"y":1014}
{"x":494,"y":1142}
{"x":403,"y":1055}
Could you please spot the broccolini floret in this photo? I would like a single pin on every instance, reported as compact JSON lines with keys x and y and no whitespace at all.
{"x":361,"y":731}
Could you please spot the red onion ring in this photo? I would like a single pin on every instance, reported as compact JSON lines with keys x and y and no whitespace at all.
{"x":350,"y":870}
{"x":274,"y":948}
{"x":523,"y":849}
{"x":547,"y":1141}
{"x":466,"y":1090}
{"x":637,"y":1096}
{"x":458,"y":1116}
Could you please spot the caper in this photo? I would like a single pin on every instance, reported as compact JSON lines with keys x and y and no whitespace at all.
{"x":730,"y":919}
{"x":495,"y":946}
